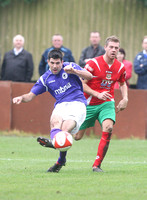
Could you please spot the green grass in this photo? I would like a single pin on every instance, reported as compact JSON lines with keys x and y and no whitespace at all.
{"x":23,"y":165}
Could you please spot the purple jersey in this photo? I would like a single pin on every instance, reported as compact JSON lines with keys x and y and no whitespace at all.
{"x":62,"y":86}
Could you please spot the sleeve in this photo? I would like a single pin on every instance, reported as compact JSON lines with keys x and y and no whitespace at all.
{"x":122,"y":76}
{"x":82,"y":58}
{"x":75,"y":66}
{"x":30,"y":68}
{"x":137,"y":65}
{"x":90,"y":66}
{"x":39,"y":87}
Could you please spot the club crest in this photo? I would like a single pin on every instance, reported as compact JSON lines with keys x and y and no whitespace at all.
{"x":64,"y":75}
{"x":108,"y":74}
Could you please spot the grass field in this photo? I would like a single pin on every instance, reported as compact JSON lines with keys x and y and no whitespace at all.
{"x":23,"y":176}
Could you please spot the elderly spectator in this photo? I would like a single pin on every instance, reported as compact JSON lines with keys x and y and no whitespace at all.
{"x":17,"y":63}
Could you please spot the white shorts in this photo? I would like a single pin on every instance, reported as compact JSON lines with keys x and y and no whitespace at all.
{"x":71,"y":110}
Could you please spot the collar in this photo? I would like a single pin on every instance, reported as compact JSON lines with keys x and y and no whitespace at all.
{"x":144,"y":52}
{"x":17,"y":52}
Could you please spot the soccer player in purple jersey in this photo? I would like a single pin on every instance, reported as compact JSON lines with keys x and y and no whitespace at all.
{"x":63,"y":82}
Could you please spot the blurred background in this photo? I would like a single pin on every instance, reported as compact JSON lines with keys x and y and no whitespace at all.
{"x":39,"y":20}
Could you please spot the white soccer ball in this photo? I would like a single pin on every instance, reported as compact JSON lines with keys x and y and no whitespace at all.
{"x":63,"y":141}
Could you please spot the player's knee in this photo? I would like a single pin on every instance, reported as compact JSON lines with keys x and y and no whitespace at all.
{"x":56,"y":122}
{"x":77,"y":137}
{"x":109,"y":129}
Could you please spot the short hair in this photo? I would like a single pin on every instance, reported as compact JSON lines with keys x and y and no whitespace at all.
{"x":112,"y":38}
{"x":145,"y":37}
{"x":122,"y":51}
{"x":20,"y":36}
{"x":57,"y":35}
{"x":94,"y":32}
{"x":55,"y":54}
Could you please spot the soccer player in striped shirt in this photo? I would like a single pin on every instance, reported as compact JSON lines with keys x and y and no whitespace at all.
{"x":99,"y":92}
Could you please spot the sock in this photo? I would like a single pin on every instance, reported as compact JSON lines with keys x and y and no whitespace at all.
{"x":53,"y":132}
{"x":62,"y":157}
{"x":102,"y":148}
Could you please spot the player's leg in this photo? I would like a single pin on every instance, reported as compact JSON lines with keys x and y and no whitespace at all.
{"x":55,"y":123}
{"x":91,"y":116}
{"x":67,"y":125}
{"x":106,"y":119}
{"x":73,"y":116}
{"x":107,"y":127}
{"x":79,"y":135}
{"x":56,"y":126}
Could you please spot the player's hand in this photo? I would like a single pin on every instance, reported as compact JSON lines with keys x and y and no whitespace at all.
{"x":104,"y":95}
{"x":17,"y":100}
{"x":69,"y":69}
{"x":122,"y":105}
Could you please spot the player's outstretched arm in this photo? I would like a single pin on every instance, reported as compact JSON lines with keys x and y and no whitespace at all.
{"x":81,"y":73}
{"x":123,"y":103}
{"x":24,"y":98}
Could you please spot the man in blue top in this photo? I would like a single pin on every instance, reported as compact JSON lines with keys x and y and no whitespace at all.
{"x":57,"y":43}
{"x":63,"y":82}
{"x":140,"y":66}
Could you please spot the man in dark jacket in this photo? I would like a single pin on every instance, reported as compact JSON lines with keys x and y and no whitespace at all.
{"x":94,"y":50}
{"x":18,"y":63}
{"x":140,"y":66}
{"x":57,"y":43}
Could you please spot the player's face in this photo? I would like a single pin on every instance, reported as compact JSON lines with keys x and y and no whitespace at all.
{"x":57,"y":42}
{"x":112,"y":50}
{"x":18,"y":42}
{"x":55,"y":65}
{"x":120,"y":56}
{"x":144,"y":44}
{"x":94,"y":38}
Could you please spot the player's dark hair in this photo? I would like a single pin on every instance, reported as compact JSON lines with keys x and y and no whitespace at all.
{"x":55,"y":54}
{"x":122,"y":51}
{"x":112,"y":38}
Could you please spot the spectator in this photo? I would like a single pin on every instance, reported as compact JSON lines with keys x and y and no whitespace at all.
{"x":128,"y":66}
{"x":94,"y":50}
{"x":140,"y":66}
{"x":17,"y":63}
{"x":57,"y":43}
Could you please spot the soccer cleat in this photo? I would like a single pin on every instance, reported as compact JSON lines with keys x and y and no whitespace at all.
{"x":97,"y":169}
{"x":55,"y":168}
{"x":45,"y":142}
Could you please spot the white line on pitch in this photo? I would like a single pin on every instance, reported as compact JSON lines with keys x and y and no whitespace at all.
{"x":78,"y":161}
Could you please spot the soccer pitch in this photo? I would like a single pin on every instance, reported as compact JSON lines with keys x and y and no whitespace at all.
{"x":23,"y":176}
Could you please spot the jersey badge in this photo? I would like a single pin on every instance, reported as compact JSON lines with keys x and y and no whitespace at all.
{"x":108,"y":74}
{"x":64,"y":75}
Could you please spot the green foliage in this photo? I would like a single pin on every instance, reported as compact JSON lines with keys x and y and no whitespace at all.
{"x":23,"y":165}
{"x":4,"y":3}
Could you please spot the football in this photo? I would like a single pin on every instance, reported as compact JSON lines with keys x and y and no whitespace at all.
{"x":63,"y":141}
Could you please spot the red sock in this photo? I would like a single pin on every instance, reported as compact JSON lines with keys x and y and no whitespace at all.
{"x":102,"y":148}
